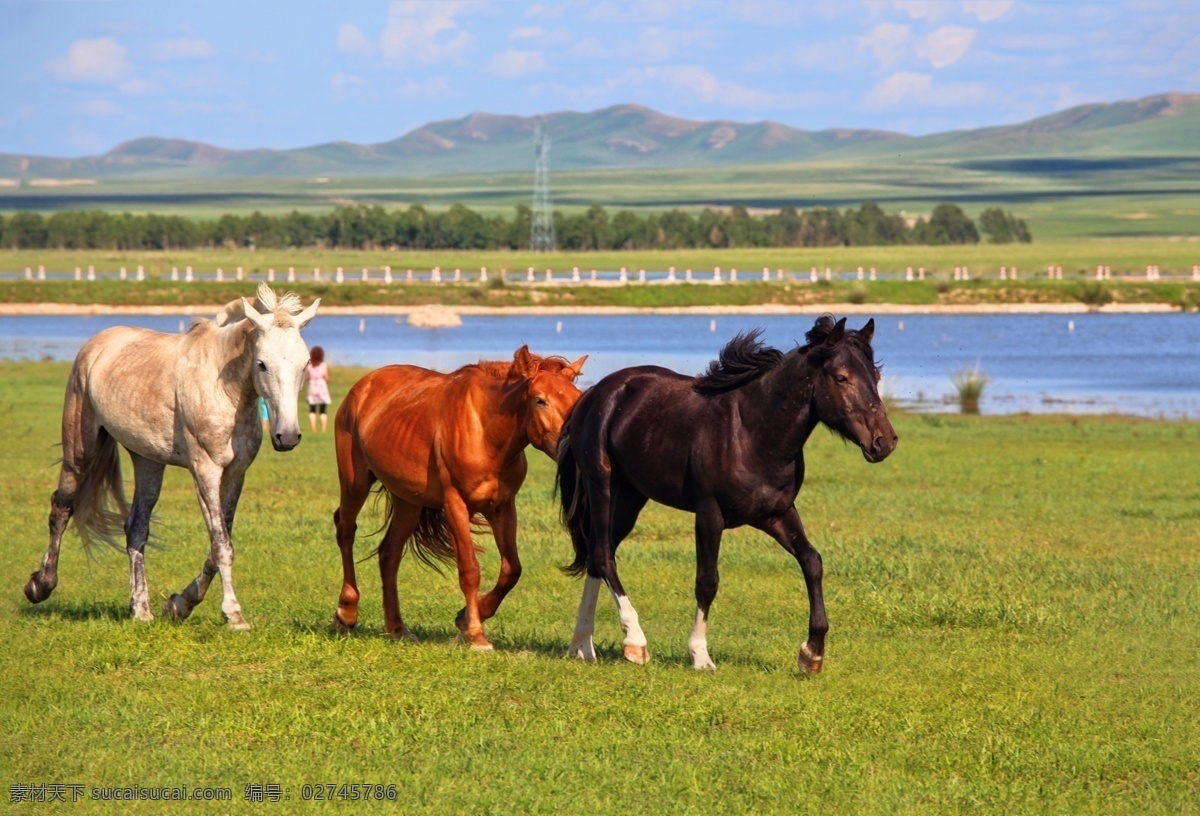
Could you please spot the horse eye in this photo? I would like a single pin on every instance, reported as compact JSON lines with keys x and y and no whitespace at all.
{"x":262,"y":366}
{"x":841,"y":379}
{"x":541,"y":402}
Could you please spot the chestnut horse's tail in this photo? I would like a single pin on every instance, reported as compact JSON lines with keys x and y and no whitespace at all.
{"x":431,"y":541}
{"x":575,"y":511}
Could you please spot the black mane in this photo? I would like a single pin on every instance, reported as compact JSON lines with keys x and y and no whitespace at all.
{"x":743,"y":359}
{"x":815,"y":339}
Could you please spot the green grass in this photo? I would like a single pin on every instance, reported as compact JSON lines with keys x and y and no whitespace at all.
{"x":1078,"y":259}
{"x":1015,"y":610}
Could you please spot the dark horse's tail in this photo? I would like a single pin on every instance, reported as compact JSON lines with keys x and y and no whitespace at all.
{"x":575,"y":512}
{"x":431,"y":542}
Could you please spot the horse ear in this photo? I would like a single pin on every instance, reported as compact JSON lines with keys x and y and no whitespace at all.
{"x":523,"y":363}
{"x":308,"y":314}
{"x":576,"y":368}
{"x":262,"y":322}
{"x":836,"y":333}
{"x":867,"y":332}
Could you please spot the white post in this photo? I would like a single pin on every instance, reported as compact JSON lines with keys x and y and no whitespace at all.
{"x":122,"y":272}
{"x":920,"y":273}
{"x":408,"y":276}
{"x":733,"y":275}
{"x":366,"y":276}
{"x":593,"y":276}
{"x":387,"y":275}
{"x":271,"y":275}
{"x":291,"y":274}
{"x":483,"y":274}
{"x":574,"y":274}
{"x":549,"y":276}
{"x":1196,"y":273}
{"x":779,"y":274}
{"x":958,"y":273}
{"x":828,"y":273}
{"x":766,"y":273}
{"x":29,"y":273}
{"x":91,"y":272}
{"x":239,"y":273}
{"x":78,"y":273}
{"x":436,"y":275}
{"x":220,"y":275}
{"x":908,"y":275}
{"x":624,"y":275}
{"x":338,"y":276}
{"x":812,"y":274}
{"x":317,"y":274}
{"x":1014,"y":273}
{"x":42,"y":271}
{"x":687,"y":275}
{"x":641,"y":276}
{"x":187,"y":274}
{"x":529,"y":276}
{"x":457,"y":275}
{"x":1058,"y":273}
{"x":860,"y":274}
{"x":1099,"y":273}
{"x":717,"y":274}
{"x":141,"y":273}
{"x":872,"y":273}
{"x":671,"y":274}
{"x":1004,"y":273}
{"x":966,"y":273}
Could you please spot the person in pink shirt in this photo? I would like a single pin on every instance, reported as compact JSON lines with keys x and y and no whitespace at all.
{"x":318,"y":388}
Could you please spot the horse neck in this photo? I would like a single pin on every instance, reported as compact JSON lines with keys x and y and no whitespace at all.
{"x":504,"y":414}
{"x":782,"y":401}
{"x":234,"y":359}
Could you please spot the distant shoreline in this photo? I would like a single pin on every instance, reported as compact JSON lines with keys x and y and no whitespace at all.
{"x":72,"y":309}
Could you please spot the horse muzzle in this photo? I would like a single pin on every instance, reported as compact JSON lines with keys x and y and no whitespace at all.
{"x":881,"y":447}
{"x":282,"y":441}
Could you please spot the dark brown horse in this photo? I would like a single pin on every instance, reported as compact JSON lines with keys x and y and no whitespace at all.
{"x":727,"y":446}
{"x":445,"y":448}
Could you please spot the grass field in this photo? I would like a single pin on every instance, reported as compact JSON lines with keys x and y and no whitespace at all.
{"x":1015,"y":611}
{"x":1077,"y":258}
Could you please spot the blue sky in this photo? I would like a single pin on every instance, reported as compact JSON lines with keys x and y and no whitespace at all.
{"x":77,"y":78}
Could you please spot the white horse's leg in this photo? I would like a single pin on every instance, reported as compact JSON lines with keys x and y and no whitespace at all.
{"x":208,"y":477}
{"x":585,"y":622}
{"x":148,"y":476}
{"x":635,"y":638}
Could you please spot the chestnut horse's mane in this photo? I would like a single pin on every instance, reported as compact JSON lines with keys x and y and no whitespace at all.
{"x":500,"y":369}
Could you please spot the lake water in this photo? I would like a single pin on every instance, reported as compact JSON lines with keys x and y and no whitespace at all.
{"x":1143,"y":364}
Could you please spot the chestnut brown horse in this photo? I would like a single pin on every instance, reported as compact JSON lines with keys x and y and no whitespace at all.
{"x":445,"y":449}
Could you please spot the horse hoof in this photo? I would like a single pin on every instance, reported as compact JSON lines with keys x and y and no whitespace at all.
{"x":143,"y":615}
{"x":583,"y":651}
{"x":176,"y":607}
{"x":37,"y":590}
{"x":237,"y":623}
{"x":637,"y":654}
{"x":808,"y":661}
{"x":340,"y":626}
{"x":400,"y":634}
{"x":482,"y":647}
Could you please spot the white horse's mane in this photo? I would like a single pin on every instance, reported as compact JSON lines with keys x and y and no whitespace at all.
{"x":266,"y":301}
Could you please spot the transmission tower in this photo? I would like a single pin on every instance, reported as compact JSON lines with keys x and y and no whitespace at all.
{"x":541,"y":234}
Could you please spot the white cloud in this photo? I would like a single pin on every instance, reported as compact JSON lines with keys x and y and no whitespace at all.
{"x":100,"y":61}
{"x":918,"y":9}
{"x":906,"y":88}
{"x":343,"y":83}
{"x":98,"y":107}
{"x":351,"y":40}
{"x":528,"y":33}
{"x":887,"y":41}
{"x":424,"y":32}
{"x":946,"y":46}
{"x":137,"y":87}
{"x":182,"y":49}
{"x":700,"y":83}
{"x":987,"y":10}
{"x":511,"y":63}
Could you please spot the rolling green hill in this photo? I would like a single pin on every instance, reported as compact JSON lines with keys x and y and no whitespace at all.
{"x":630,"y":136}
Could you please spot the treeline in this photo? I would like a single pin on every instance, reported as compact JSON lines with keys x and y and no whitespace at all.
{"x":362,"y":227}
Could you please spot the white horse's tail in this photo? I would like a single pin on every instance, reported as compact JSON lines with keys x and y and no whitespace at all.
{"x":100,"y":488}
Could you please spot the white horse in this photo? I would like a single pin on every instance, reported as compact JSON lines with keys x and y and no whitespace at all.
{"x":188,"y":400}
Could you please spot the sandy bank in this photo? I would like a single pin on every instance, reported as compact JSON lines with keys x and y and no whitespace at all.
{"x":69,"y":309}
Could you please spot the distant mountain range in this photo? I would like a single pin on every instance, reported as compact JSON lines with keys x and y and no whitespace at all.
{"x":626,"y":136}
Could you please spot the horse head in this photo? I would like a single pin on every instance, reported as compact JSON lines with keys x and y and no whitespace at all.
{"x":549,"y":395}
{"x":846,"y":386}
{"x":278,"y":359}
